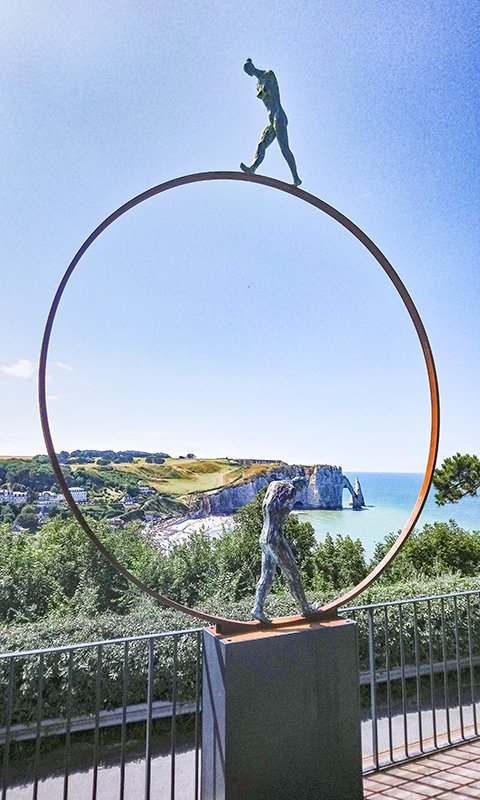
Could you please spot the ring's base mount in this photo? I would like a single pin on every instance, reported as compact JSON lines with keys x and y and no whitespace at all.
{"x":236,"y":628}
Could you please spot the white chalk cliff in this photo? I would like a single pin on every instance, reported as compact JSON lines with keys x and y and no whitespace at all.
{"x":324,"y":491}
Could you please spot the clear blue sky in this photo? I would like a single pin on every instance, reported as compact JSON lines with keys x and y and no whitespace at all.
{"x":228,"y":319}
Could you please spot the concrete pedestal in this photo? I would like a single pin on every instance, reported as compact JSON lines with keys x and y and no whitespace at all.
{"x":281,"y":717}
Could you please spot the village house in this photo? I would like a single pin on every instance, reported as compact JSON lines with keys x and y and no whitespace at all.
{"x":78,"y":493}
{"x":17,"y":498}
{"x":49,"y":499}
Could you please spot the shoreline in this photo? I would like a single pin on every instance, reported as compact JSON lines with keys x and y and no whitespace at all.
{"x":170,"y":533}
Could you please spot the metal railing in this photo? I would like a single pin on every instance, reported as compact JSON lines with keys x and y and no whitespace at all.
{"x":419,"y":675}
{"x":73,"y":692}
{"x":121,"y":718}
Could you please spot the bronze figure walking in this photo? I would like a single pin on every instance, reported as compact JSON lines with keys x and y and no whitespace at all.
{"x":275,"y":549}
{"x":268,"y":92}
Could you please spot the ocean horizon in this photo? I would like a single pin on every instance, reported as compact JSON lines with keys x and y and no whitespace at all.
{"x":389,"y":498}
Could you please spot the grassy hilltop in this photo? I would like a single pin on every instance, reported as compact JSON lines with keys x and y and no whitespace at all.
{"x":181,"y":476}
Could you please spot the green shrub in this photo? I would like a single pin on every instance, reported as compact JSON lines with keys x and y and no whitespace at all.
{"x":440,"y":547}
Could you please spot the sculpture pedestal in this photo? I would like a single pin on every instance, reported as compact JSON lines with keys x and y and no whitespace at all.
{"x":281,"y":715}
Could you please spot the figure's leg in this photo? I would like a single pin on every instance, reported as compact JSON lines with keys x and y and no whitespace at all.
{"x":266,"y":140}
{"x":288,"y":565}
{"x":282,"y":136}
{"x":269,"y":565}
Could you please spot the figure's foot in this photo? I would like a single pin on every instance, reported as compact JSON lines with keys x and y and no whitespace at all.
{"x":257,"y":613}
{"x":297,"y":181}
{"x":246,"y":170}
{"x":310,"y":608}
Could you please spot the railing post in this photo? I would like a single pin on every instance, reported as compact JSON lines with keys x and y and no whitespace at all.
{"x":373,"y":686}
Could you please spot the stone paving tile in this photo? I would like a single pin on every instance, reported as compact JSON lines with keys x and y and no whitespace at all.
{"x":446,"y":758}
{"x":452,"y":758}
{"x":406,"y":772}
{"x":422,"y":789}
{"x":373,"y":788}
{"x":455,"y":796}
{"x":447,"y":775}
{"x":471,"y":791}
{"x":370,"y":784}
{"x":475,"y":765}
{"x":441,"y":761}
{"x":470,"y":748}
{"x":420,"y":769}
{"x":455,"y":776}
{"x":465,"y":770}
{"x":399,"y":793}
{"x":387,"y":779}
{"x":442,"y":782}
{"x":382,"y":797}
{"x":466,"y":791}
{"x":468,"y":775}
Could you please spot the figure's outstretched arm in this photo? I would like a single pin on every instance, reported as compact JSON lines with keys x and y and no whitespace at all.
{"x":251,"y":69}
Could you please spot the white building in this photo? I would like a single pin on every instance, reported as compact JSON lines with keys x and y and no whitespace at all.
{"x":7,"y":496}
{"x":78,"y":493}
{"x":49,"y":499}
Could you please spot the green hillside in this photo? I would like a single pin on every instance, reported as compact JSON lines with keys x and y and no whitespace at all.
{"x":180,"y":476}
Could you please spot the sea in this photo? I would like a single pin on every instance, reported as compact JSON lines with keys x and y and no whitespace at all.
{"x":389,"y":498}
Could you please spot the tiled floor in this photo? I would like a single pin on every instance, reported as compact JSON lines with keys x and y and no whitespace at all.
{"x":452,"y":774}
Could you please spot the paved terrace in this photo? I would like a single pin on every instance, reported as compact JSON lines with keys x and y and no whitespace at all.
{"x":452,"y":774}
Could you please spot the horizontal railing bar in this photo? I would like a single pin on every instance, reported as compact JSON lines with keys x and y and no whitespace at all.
{"x":411,"y":670}
{"x":161,"y":709}
{"x":84,"y":645}
{"x":348,"y":609}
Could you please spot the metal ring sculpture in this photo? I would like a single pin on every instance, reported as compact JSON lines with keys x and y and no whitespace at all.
{"x":329,"y":610}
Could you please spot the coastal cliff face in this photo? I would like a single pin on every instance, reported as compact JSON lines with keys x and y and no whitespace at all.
{"x":324,"y":491}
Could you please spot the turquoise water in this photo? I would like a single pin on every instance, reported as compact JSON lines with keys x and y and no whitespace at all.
{"x":390,"y":498}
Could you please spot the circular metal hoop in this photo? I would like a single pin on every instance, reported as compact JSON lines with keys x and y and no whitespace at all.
{"x":224,"y":625}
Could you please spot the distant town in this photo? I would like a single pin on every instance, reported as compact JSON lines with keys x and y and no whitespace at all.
{"x":118,"y":485}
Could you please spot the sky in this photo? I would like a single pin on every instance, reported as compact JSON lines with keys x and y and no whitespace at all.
{"x":223,"y":318}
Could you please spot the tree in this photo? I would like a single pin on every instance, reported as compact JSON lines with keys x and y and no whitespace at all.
{"x":26,"y":589}
{"x":41,"y":459}
{"x":27,"y":518}
{"x":7,"y":514}
{"x":340,"y":563}
{"x":437,"y":549}
{"x":458,"y":477}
